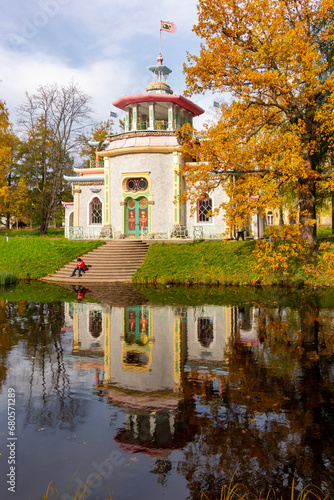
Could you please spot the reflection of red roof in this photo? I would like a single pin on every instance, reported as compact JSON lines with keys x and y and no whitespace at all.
{"x":136,"y":448}
{"x":181,"y":101}
{"x":67,"y":328}
{"x":143,"y":401}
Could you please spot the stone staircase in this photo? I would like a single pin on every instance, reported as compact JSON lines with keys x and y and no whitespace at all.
{"x":112,"y":262}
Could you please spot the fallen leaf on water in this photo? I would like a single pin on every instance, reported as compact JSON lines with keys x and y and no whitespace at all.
{"x":135,"y":459}
{"x":41,"y":429}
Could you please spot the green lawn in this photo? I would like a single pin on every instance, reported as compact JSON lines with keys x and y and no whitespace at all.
{"x":51,"y":233}
{"x":206,"y":262}
{"x":30,"y":257}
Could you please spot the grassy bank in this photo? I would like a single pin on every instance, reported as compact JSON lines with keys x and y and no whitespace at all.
{"x":237,"y":263}
{"x":52,"y":232}
{"x":34,"y":257}
{"x":206,"y":262}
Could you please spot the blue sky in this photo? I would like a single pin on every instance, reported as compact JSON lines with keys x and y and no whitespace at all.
{"x":104,"y":46}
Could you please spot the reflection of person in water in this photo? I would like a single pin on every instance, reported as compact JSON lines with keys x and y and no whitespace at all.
{"x":81,"y":292}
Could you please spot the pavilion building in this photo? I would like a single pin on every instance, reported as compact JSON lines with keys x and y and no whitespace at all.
{"x":134,"y":189}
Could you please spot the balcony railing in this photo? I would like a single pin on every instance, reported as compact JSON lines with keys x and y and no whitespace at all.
{"x":144,"y":125}
{"x":87,"y":233}
{"x":172,"y":232}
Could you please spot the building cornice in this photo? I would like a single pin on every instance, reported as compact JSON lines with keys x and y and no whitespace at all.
{"x":139,"y":149}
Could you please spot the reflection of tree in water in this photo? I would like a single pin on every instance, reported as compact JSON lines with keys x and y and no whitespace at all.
{"x":38,"y":326}
{"x":272,"y":417}
{"x":12,"y":329}
{"x":51,"y":402}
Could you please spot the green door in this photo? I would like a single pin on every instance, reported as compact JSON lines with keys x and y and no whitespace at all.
{"x":136,"y":216}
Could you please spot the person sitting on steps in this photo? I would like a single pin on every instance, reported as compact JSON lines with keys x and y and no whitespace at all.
{"x":81,"y":266}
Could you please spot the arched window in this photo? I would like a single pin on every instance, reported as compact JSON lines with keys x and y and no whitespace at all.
{"x":270,"y":219}
{"x":204,"y":209}
{"x":95,"y":211}
{"x":205,"y":331}
{"x":95,"y":323}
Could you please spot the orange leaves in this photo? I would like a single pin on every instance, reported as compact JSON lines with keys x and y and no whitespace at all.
{"x":279,"y":254}
{"x":321,"y":272}
{"x":275,"y":59}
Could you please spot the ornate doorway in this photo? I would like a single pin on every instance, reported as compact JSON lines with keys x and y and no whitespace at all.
{"x":136,"y":216}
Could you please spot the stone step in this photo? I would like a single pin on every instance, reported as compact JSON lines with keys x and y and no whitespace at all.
{"x":119,"y":252}
{"x":108,"y":272}
{"x":106,"y":258}
{"x":103,"y":265}
{"x":112,"y":262}
{"x":81,"y":281}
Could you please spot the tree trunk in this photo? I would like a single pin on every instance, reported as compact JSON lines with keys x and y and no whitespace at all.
{"x":332,"y":212}
{"x":307,"y":212}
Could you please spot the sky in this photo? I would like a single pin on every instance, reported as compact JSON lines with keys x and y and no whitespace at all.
{"x":104,"y":46}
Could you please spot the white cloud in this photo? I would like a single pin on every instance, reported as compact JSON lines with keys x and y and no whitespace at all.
{"x":104,"y":46}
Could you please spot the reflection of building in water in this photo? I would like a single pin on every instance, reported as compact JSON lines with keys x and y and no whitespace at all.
{"x":245,"y":324}
{"x":155,"y":360}
{"x":208,"y":331}
{"x":88,"y":323}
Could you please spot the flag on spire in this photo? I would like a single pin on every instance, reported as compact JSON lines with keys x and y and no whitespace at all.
{"x":167,"y":26}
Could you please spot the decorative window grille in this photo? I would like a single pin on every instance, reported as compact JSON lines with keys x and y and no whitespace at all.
{"x":96,"y":211}
{"x":270,"y":219}
{"x":205,"y":331}
{"x":95,"y":323}
{"x":139,"y":184}
{"x":204,"y":210}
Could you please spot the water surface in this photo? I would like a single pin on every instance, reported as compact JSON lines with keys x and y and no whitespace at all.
{"x":168,"y":394}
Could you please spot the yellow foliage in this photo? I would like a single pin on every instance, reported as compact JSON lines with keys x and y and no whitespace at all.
{"x":321,"y":273}
{"x":275,"y":133}
{"x":280,"y":253}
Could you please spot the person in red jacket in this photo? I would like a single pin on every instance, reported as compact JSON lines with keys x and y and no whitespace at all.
{"x":81,"y":266}
{"x":81,"y":292}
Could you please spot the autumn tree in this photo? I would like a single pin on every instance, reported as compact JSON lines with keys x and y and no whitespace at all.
{"x":51,"y":119}
{"x":5,"y":152}
{"x":88,"y":142}
{"x":14,"y":195}
{"x":275,"y":130}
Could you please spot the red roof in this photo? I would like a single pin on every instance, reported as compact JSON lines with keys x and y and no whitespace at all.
{"x":181,"y":101}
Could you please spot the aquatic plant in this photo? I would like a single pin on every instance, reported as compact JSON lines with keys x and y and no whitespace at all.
{"x":240,"y":491}
{"x":82,"y":491}
{"x":7,"y":279}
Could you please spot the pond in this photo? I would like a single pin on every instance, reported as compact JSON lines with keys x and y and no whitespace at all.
{"x":165,"y":393}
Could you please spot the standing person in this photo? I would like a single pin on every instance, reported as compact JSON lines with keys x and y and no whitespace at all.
{"x":241,"y":233}
{"x":81,"y":266}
